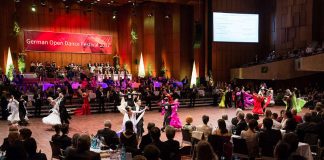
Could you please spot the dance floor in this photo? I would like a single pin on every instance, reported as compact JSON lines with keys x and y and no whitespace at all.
{"x":91,"y":123}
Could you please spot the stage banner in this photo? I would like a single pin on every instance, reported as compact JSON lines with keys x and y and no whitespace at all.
{"x":67,"y":42}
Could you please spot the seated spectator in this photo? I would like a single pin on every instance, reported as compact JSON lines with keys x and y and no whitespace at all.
{"x":5,"y":144}
{"x":229,"y":125}
{"x":82,"y":152}
{"x":110,"y":136}
{"x":297,"y":118}
{"x":32,"y":151}
{"x":15,"y":149}
{"x":286,"y":116}
{"x":207,"y":130}
{"x":204,"y":151}
{"x":276,"y":124}
{"x":146,"y":139}
{"x":235,"y":120}
{"x":128,"y":138}
{"x":251,"y":138}
{"x":57,"y":135}
{"x":268,"y":137}
{"x":74,"y":145}
{"x":151,"y":152}
{"x":171,"y":146}
{"x":290,"y":125}
{"x":188,"y":125}
{"x":64,"y":140}
{"x":241,"y":125}
{"x":222,"y":130}
{"x":316,"y":117}
{"x":156,"y":134}
{"x":279,"y":119}
{"x":281,"y":151}
{"x":28,"y":141}
{"x":139,"y":157}
{"x":306,"y":127}
{"x":292,"y":140}
{"x":248,"y":117}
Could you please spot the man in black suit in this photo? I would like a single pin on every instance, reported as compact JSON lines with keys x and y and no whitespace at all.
{"x":116,"y":99}
{"x":193,"y":94}
{"x":147,"y":139}
{"x":268,"y":138}
{"x":100,"y":99}
{"x":110,"y":136}
{"x":64,"y":115}
{"x":156,"y":134}
{"x":148,"y":97}
{"x":64,"y":140}
{"x":228,"y":98}
{"x":171,"y":146}
{"x":38,"y":102}
{"x":82,"y":152}
{"x":4,"y":104}
{"x":306,"y":127}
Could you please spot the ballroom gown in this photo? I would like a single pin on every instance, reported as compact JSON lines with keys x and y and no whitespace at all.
{"x":13,"y":107}
{"x":257,"y":109}
{"x":222,"y":102}
{"x":298,"y":103}
{"x":175,"y":121}
{"x":248,"y":100}
{"x":85,"y":109}
{"x":54,"y":117}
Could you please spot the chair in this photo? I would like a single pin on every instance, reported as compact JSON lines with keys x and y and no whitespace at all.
{"x":312,"y":140}
{"x":186,"y":137}
{"x":56,"y":151}
{"x":240,"y":148}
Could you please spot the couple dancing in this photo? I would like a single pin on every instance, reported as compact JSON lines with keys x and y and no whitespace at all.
{"x":170,"y":112}
{"x":132,"y":111}
{"x":59,"y":114}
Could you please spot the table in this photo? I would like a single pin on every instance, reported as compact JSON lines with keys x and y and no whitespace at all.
{"x":201,"y":93}
{"x":30,"y":75}
{"x":304,"y":150}
{"x":110,"y":154}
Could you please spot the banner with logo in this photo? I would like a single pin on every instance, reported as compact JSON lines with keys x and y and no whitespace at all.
{"x":67,"y":42}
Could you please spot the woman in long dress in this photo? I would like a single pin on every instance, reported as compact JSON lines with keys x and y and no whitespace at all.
{"x":13,"y":108}
{"x":175,"y":121}
{"x":297,"y":103}
{"x":222,"y":102}
{"x":258,"y":99}
{"x":85,"y":109}
{"x":130,"y":115}
{"x":54,"y":117}
{"x":248,"y":99}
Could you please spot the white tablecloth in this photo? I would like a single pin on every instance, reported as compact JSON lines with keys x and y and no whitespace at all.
{"x":30,"y":75}
{"x":304,"y":150}
{"x":201,"y":92}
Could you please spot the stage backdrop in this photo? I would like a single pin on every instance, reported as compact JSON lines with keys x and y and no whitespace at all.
{"x":67,"y":42}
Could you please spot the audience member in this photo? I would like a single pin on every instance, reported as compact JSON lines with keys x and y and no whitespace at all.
{"x":146,"y":139}
{"x":275,"y":124}
{"x":82,"y":152}
{"x":222,"y":130}
{"x":235,"y":120}
{"x":151,"y":152}
{"x":128,"y":138}
{"x":229,"y":125}
{"x":15,"y":149}
{"x":204,"y":151}
{"x":306,"y":127}
{"x":207,"y":130}
{"x":282,"y":151}
{"x":57,"y":135}
{"x":297,"y":118}
{"x":74,"y":145}
{"x":188,"y":125}
{"x":156,"y":134}
{"x":110,"y":136}
{"x":241,"y":125}
{"x":64,"y":140}
{"x":292,"y":140}
{"x":251,"y":138}
{"x":171,"y":146}
{"x":268,"y":137}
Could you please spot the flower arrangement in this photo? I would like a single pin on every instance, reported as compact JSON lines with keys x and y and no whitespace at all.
{"x":10,"y":72}
{"x":163,"y":71}
{"x":149,"y":70}
{"x":133,"y":36}
{"x":21,"y":64}
{"x":16,"y":28}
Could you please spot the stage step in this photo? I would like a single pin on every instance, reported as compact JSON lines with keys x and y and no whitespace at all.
{"x":184,"y":103}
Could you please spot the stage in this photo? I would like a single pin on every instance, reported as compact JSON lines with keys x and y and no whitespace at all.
{"x":92,"y":123}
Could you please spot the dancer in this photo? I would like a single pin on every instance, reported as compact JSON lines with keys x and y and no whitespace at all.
{"x":85,"y":109}
{"x":54,"y":117}
{"x":140,"y":123}
{"x":166,"y":111}
{"x":13,"y":108}
{"x":288,"y":100}
{"x":129,"y":114}
{"x":248,"y":99}
{"x":297,"y":103}
{"x":258,"y":99}
{"x":64,"y":115}
{"x":222,"y":101}
{"x":22,"y":111}
{"x":175,"y":120}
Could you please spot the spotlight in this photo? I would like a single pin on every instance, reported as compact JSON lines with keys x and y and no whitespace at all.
{"x":108,"y":3}
{"x":98,"y":0}
{"x":114,"y":15}
{"x":17,"y":1}
{"x":150,"y":14}
{"x":33,"y":8}
{"x":166,"y":16}
{"x":129,"y":1}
